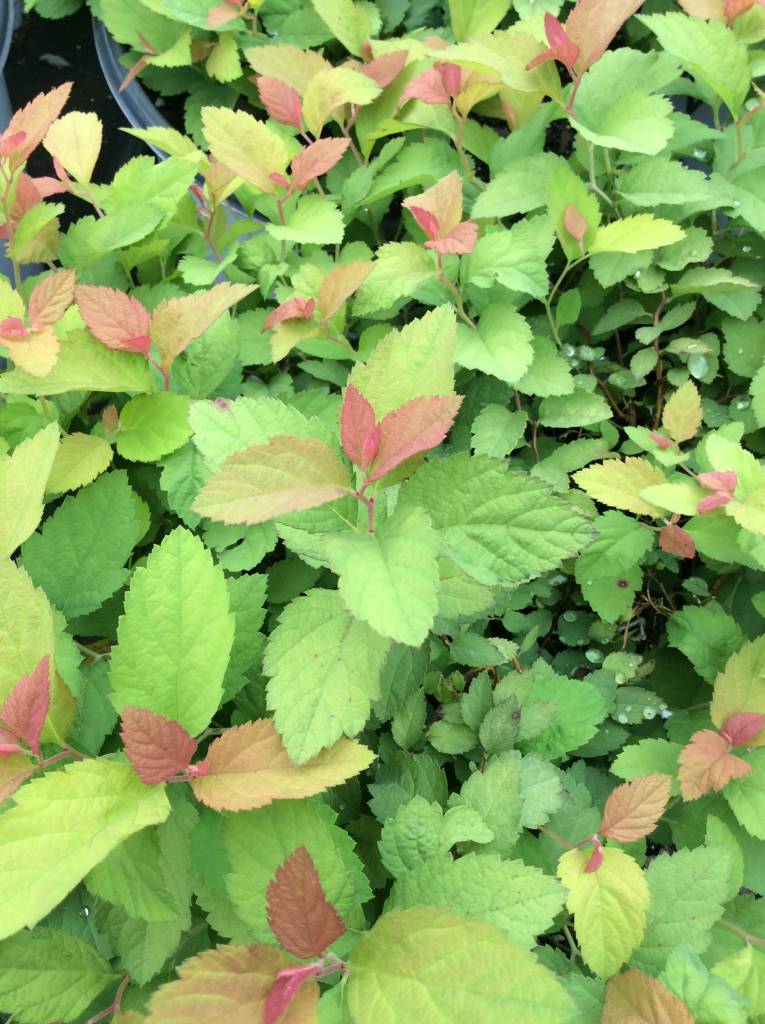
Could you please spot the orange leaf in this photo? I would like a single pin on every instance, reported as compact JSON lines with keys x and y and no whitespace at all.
{"x":340,"y":283}
{"x":175,"y":323}
{"x":300,"y":915}
{"x":633,"y":809}
{"x":281,"y":101}
{"x":293,"y":309}
{"x":707,"y":765}
{"x":637,"y":998}
{"x":34,"y":120}
{"x":248,"y":767}
{"x":157,"y":747}
{"x":443,"y":201}
{"x":575,"y":223}
{"x":676,"y":541}
{"x":115,"y":319}
{"x":229,"y":984}
{"x":386,"y":67}
{"x":51,"y":298}
{"x":314,"y":160}
{"x":592,"y":25}
{"x":416,"y":427}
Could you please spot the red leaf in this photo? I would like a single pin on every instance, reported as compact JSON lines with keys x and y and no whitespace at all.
{"x":712,"y":502}
{"x":575,"y":223}
{"x":707,"y":766}
{"x":675,"y":541}
{"x":724,"y":481}
{"x":427,"y":88}
{"x":451,"y":76}
{"x":12,"y":327}
{"x":661,"y":440}
{"x":51,"y":298}
{"x":157,"y":747}
{"x":281,"y":101}
{"x":741,"y":729}
{"x":416,"y":427}
{"x":318,"y":158}
{"x":300,"y":915}
{"x":294,"y":309}
{"x":357,"y":426}
{"x":597,"y":857}
{"x":459,"y":241}
{"x":26,"y":706}
{"x":116,"y":319}
{"x":284,"y":989}
{"x":385,"y":68}
{"x":427,"y":220}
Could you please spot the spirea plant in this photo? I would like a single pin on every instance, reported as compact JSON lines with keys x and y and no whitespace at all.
{"x":382,"y":526}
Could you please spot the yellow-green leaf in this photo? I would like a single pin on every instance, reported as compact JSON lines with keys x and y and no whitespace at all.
{"x":740,"y":687}
{"x":609,"y":906}
{"x":682,"y":413}
{"x":330,"y":90}
{"x":80,"y":458}
{"x":23,"y":476}
{"x":175,"y":323}
{"x":75,"y":141}
{"x":349,"y":22}
{"x":245,"y":145}
{"x":619,"y":484}
{"x":638,"y":233}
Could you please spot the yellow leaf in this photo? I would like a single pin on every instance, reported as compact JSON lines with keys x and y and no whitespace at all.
{"x":338,"y":286}
{"x":740,"y":687}
{"x":249,"y":768}
{"x":330,"y":90}
{"x":175,"y":323}
{"x":682,"y":413}
{"x":246,"y":146}
{"x":609,"y":906}
{"x":23,"y":476}
{"x":36,"y":354}
{"x":79,"y":460}
{"x":349,"y":22}
{"x":749,"y":512}
{"x":618,"y":484}
{"x":637,"y":998}
{"x":638,"y":233}
{"x":633,"y":809}
{"x":13,"y":771}
{"x":75,"y":141}
{"x":292,"y":65}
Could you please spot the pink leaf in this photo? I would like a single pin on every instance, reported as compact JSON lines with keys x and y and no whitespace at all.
{"x":318,"y":158}
{"x":459,"y":241}
{"x":676,"y":541}
{"x":724,"y":481}
{"x":451,"y":76}
{"x":281,"y":101}
{"x":288,"y":982}
{"x":299,"y":913}
{"x":10,"y":143}
{"x":47,"y":186}
{"x":659,"y":439}
{"x":26,"y":706}
{"x":742,"y":728}
{"x":427,"y":88}
{"x":427,"y":221}
{"x":294,"y":309}
{"x":218,"y":16}
{"x":115,"y":319}
{"x":157,"y":747}
{"x":416,"y":427}
{"x":712,"y":502}
{"x":9,"y":749}
{"x":564,"y":48}
{"x":357,"y":428}
{"x":597,"y":857}
{"x":51,"y":298}
{"x":385,"y":68}
{"x":12,"y":327}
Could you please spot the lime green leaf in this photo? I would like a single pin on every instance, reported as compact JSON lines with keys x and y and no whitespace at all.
{"x":637,"y":233}
{"x":519,"y":899}
{"x":609,"y":906}
{"x":50,"y":975}
{"x":286,"y":474}
{"x":496,"y":431}
{"x":549,"y":374}
{"x":608,"y":569}
{"x":152,"y":426}
{"x":740,"y":687}
{"x":635,"y":123}
{"x":662,"y":181}
{"x":107,"y":802}
{"x":313,"y":221}
{"x":329,"y":90}
{"x":173,"y":641}
{"x":389,"y":578}
{"x":405,"y":968}
{"x":416,"y":361}
{"x":579,"y":709}
{"x":746,"y":795}
{"x":687,"y":891}
{"x":521,"y":188}
{"x":78,"y":461}
{"x":648,"y":757}
{"x":564,"y":190}
{"x":247,"y":146}
{"x":709,"y":50}
{"x":23,"y":478}
{"x":581,"y":408}
{"x":398,"y":271}
{"x":257,"y":843}
{"x":84,"y":364}
{"x":682,"y":413}
{"x":707,"y":636}
{"x":499,"y":527}
{"x":495,"y":794}
{"x":349,"y":22}
{"x":420,"y":830}
{"x":516,"y":259}
{"x":710,"y":999}
{"x":78,"y":558}
{"x":500,"y":345}
{"x":324,"y":669}
{"x":620,"y":483}
{"x":476,"y":17}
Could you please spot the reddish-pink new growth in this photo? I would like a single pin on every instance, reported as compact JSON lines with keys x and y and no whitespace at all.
{"x":299,"y":913}
{"x":281,"y":101}
{"x":157,"y":747}
{"x":115,"y":319}
{"x":561,"y":47}
{"x":285,"y":988}
{"x":436,"y":86}
{"x":742,"y":728}
{"x":25,"y":709}
{"x":676,"y":541}
{"x":298,"y":308}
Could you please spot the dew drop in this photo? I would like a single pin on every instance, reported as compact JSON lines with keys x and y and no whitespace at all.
{"x":594,"y":655}
{"x":622,"y":719}
{"x":570,"y":616}
{"x":648,"y":714}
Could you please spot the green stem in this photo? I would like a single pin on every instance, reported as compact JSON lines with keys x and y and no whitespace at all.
{"x":593,"y":179}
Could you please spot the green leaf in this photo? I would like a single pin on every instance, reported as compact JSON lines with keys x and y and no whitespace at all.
{"x":648,"y":757}
{"x":78,"y":558}
{"x":389,"y":578}
{"x":405,"y":968}
{"x":516,"y":259}
{"x":636,"y":123}
{"x":709,"y":50}
{"x":258,"y":842}
{"x":108,"y":803}
{"x":420,"y":831}
{"x":174,"y":640}
{"x":398,"y":272}
{"x":79,"y":460}
{"x":521,"y":188}
{"x":84,"y":364}
{"x":687,"y":891}
{"x":152,"y":426}
{"x":500,"y":527}
{"x":519,"y":899}
{"x":710,"y":999}
{"x":746,"y":795}
{"x":609,"y":906}
{"x":706,"y":635}
{"x":637,"y":233}
{"x":324,"y":668}
{"x":476,"y":17}
{"x":50,"y":975}
{"x":549,"y":374}
{"x":500,"y":345}
{"x":495,"y":794}
{"x":580,"y":707}
{"x":665,"y":182}
{"x":23,"y":478}
{"x":416,"y":361}
{"x":565,"y":189}
{"x":496,"y":431}
{"x":314,"y":221}
{"x":581,"y":408}
{"x":608,"y":570}
{"x":350,"y":23}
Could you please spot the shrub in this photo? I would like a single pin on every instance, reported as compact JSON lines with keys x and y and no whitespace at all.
{"x":381,"y":552}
